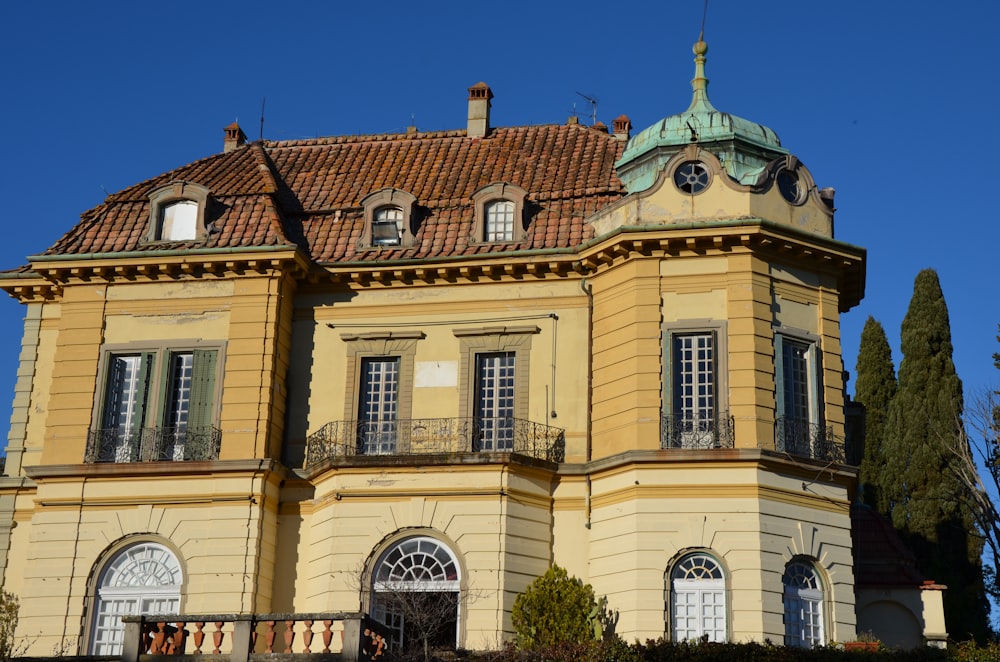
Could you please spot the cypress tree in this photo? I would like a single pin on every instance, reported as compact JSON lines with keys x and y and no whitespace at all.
{"x":922,"y":440}
{"x":874,"y":387}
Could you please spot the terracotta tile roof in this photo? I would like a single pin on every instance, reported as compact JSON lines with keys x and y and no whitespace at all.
{"x":309,"y":192}
{"x":880,"y":556}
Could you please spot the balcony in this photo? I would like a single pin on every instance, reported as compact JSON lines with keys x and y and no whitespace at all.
{"x":686,"y":431}
{"x":165,"y":444}
{"x":799,"y":437}
{"x":425,"y":436}
{"x":344,"y":637}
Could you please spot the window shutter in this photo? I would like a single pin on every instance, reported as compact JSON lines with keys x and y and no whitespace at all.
{"x":202,"y":387}
{"x":816,"y":376}
{"x":668,"y":374}
{"x":142,"y":389}
{"x":779,"y":375}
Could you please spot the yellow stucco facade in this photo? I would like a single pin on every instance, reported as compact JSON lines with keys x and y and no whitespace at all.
{"x":597,"y":463}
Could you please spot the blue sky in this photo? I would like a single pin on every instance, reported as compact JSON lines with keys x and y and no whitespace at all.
{"x":892,"y":103}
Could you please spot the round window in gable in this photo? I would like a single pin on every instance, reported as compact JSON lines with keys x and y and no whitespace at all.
{"x":790,"y":186}
{"x":691,"y":177}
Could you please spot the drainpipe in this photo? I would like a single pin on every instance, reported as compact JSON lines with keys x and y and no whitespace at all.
{"x":589,"y":291}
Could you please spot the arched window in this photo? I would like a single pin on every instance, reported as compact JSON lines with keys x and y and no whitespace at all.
{"x":698,"y":599}
{"x":144,"y":578}
{"x":803,"y":597}
{"x":500,"y":220}
{"x":415,"y":590}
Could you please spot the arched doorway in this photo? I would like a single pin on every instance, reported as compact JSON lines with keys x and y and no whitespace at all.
{"x":803,"y":598}
{"x":144,"y":578}
{"x":415,"y":593}
{"x":698,"y":599}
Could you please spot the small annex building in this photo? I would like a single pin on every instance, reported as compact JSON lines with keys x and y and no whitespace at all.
{"x":307,"y":376}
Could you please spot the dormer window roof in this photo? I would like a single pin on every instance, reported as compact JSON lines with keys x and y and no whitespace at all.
{"x":499,"y":214}
{"x":177,"y":212}
{"x":389,"y":216}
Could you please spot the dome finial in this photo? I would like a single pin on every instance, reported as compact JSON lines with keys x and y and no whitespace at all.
{"x":699,"y":84}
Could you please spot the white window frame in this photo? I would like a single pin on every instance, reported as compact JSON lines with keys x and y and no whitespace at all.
{"x":500,"y":220}
{"x":417,"y":564}
{"x":142,"y":578}
{"x":698,"y":599}
{"x":707,"y":424}
{"x":496,"y":403}
{"x":803,"y":598}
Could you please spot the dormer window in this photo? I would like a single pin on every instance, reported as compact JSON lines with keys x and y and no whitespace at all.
{"x":177,"y":212}
{"x":178,"y":220}
{"x":388,"y":219}
{"x":500,"y":220}
{"x":499,"y":214}
{"x":387,"y":226}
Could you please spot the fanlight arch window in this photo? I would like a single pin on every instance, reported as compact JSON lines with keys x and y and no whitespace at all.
{"x":698,"y":599}
{"x":144,"y":578}
{"x":415,"y":593}
{"x":803,"y":598}
{"x":177,"y":212}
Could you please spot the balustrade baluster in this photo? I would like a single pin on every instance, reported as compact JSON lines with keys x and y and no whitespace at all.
{"x":269,"y":637}
{"x":217,"y":637}
{"x":159,"y":639}
{"x":307,"y":636}
{"x":289,"y":636}
{"x":177,"y":641}
{"x":199,"y":636}
{"x":327,"y":635}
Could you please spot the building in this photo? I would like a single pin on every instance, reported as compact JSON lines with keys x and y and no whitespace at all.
{"x":319,"y":375}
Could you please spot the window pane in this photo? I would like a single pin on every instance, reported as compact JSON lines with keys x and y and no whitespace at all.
{"x":795,"y":364}
{"x":387,"y":226}
{"x":377,"y":409}
{"x":500,"y":221}
{"x":495,"y":400}
{"x":179,"y":220}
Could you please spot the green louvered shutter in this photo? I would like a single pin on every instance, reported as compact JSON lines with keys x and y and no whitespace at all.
{"x":202,"y":388}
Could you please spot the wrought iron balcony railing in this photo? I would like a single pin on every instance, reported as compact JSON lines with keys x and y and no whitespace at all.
{"x":687,"y":431}
{"x":173,"y":444}
{"x":796,"y":436}
{"x":420,"y":436}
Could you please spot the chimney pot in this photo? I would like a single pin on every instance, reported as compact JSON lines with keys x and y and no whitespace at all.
{"x":234,"y":139}
{"x":622,"y":127}
{"x":480,"y":95}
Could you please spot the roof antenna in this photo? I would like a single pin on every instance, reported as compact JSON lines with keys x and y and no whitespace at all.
{"x":593,"y":107}
{"x":263,"y":100}
{"x":704,"y":16}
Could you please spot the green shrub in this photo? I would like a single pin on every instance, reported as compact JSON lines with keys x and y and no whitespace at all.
{"x":559,"y":609}
{"x":8,"y":624}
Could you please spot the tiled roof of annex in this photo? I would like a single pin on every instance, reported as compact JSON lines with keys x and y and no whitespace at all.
{"x":308,"y":193}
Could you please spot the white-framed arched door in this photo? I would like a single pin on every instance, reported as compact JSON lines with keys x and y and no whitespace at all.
{"x":142,"y":578}
{"x":803,"y":601}
{"x":415,"y":587}
{"x":698,"y":599}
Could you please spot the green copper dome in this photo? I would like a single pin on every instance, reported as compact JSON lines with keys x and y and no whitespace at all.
{"x":744,"y":147}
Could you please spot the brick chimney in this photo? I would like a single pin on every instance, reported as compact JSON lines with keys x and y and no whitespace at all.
{"x":479,"y":110}
{"x":622,"y":127}
{"x":234,"y":138}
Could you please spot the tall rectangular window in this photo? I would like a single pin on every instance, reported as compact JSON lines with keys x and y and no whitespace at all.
{"x":157,"y":405}
{"x":799,"y":427}
{"x":692,"y":413}
{"x":495,"y":400}
{"x":378,"y":405}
